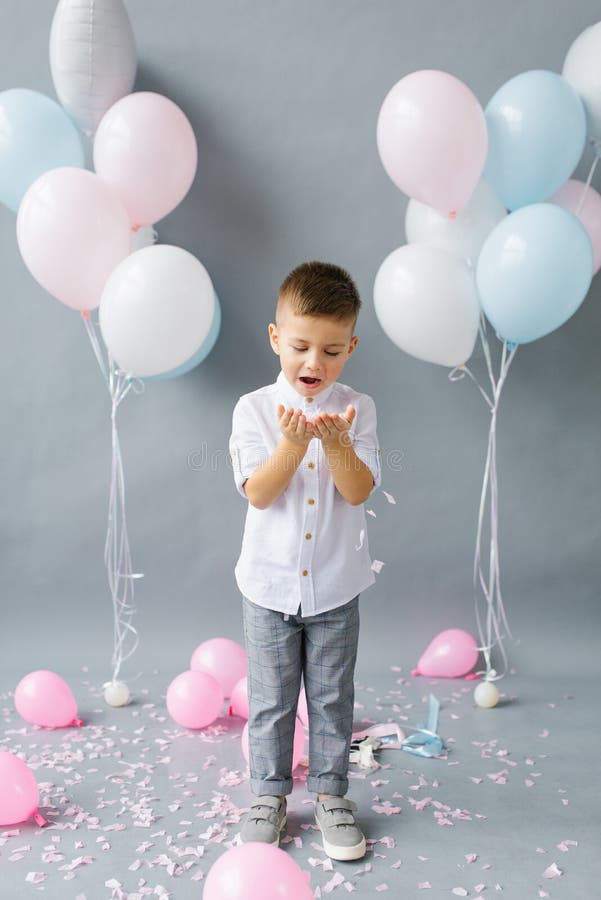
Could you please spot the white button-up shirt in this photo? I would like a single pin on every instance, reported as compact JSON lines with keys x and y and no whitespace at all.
{"x":306,"y":549}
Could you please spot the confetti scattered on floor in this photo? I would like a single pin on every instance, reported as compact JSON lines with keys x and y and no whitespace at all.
{"x":138,"y":806}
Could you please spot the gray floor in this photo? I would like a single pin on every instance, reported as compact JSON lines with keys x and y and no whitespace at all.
{"x":136,"y":801}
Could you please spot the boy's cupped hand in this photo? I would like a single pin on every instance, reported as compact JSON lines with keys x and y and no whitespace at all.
{"x":330,"y":428}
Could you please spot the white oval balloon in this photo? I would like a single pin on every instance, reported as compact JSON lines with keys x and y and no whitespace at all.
{"x":463,"y":235}
{"x":426,"y":302}
{"x":156,"y":309}
{"x":582,"y":69}
{"x":92,"y":58}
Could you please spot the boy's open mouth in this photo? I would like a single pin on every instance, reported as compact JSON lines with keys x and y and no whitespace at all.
{"x":306,"y":380}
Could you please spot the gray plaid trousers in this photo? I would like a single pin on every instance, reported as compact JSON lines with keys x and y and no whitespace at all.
{"x":324,"y":649}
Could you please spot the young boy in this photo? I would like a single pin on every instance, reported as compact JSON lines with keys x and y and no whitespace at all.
{"x":305,"y":454}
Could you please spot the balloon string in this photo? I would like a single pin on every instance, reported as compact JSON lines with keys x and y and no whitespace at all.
{"x":597,"y":149}
{"x":489,"y":584}
{"x":117,"y":555}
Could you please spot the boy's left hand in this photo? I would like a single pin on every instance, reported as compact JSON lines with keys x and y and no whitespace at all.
{"x":332,"y":429}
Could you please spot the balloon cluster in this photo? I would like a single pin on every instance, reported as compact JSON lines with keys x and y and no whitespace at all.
{"x":218,"y":670}
{"x":45,"y":699}
{"x":159,"y":314}
{"x":495,"y":224}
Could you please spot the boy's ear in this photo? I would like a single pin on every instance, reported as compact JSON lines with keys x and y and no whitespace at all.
{"x":273,"y":338}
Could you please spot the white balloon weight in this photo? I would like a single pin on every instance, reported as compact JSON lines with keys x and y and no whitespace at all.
{"x":463,"y":235}
{"x":116,"y":693}
{"x":156,"y":309}
{"x":426,"y":302}
{"x":582,"y":69}
{"x":92,"y":58}
{"x":486,"y":695}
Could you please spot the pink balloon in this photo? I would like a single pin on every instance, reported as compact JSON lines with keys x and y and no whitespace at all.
{"x":19,"y":795}
{"x":44,"y":698}
{"x":72,"y":231}
{"x":568,"y":197}
{"x":194,"y":699}
{"x":224,"y":659}
{"x":432,"y":139}
{"x":450,"y":654}
{"x":239,"y":698}
{"x":301,"y":711}
{"x":256,"y":871}
{"x":146,"y":150}
{"x":298,"y":745}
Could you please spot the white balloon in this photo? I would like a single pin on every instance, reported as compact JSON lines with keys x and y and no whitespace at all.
{"x":426,"y":302}
{"x":463,"y":235}
{"x":582,"y":69}
{"x":92,"y":58}
{"x":156,"y":309}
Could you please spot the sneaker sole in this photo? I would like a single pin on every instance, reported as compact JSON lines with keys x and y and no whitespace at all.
{"x":342,"y":854}
{"x":276,"y":843}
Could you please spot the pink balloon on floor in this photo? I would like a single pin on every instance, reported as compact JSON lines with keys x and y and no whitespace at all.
{"x":568,"y":197}
{"x":222,"y":658}
{"x":239,"y":699}
{"x":301,"y":711}
{"x":450,"y":654}
{"x":19,"y":795}
{"x":256,"y":871}
{"x":44,"y":698}
{"x":298,"y":746}
{"x":145,"y":149}
{"x":194,"y":699}
{"x":432,"y":139}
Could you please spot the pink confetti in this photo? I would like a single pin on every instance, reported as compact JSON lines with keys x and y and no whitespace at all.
{"x":424,"y":885}
{"x":336,"y":879}
{"x":382,"y":887}
{"x":35,"y":877}
{"x":552,"y":871}
{"x":386,"y":808}
{"x":459,"y":891}
{"x":564,"y":846}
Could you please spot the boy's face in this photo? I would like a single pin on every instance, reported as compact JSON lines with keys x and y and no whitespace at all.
{"x":311,"y":347}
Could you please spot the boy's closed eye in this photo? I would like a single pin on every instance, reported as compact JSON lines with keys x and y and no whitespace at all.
{"x":327,"y":352}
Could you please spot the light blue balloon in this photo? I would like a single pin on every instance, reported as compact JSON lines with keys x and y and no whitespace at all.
{"x":534,"y":271}
{"x":536,"y":134}
{"x":201,"y":354}
{"x":36,"y":135}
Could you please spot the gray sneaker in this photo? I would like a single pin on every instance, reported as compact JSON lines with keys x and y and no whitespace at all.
{"x":342,"y":837}
{"x":264,"y":821}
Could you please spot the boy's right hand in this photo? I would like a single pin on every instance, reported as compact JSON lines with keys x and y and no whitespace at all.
{"x":295,"y":426}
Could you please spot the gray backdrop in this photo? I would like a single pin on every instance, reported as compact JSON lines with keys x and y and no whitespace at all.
{"x":284,"y":98}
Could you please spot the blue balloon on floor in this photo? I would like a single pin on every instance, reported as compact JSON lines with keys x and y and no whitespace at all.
{"x":536,"y":134}
{"x":534,"y":271}
{"x":36,"y":135}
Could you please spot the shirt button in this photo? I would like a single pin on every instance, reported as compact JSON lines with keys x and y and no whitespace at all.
{"x":308,"y":535}
{"x":311,"y":465}
{"x":305,"y":572}
{"x":309,"y":399}
{"x":311,"y":501}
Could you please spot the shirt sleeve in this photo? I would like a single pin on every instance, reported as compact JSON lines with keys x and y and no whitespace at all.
{"x":365,"y":439}
{"x":246,"y":445}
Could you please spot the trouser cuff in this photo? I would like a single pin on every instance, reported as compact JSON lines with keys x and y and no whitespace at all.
{"x":327,"y":785}
{"x":261,"y":788}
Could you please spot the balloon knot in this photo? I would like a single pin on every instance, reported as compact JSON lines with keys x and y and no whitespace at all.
{"x":453,"y":214}
{"x":230,"y":711}
{"x":85,"y":313}
{"x":415,"y":672}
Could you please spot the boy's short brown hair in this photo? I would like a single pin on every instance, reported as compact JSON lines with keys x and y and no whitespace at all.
{"x":320,"y":289}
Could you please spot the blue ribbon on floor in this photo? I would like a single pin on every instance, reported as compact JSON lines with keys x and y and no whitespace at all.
{"x":426,"y":742}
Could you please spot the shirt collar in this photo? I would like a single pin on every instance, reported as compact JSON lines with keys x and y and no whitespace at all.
{"x":293,"y":398}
